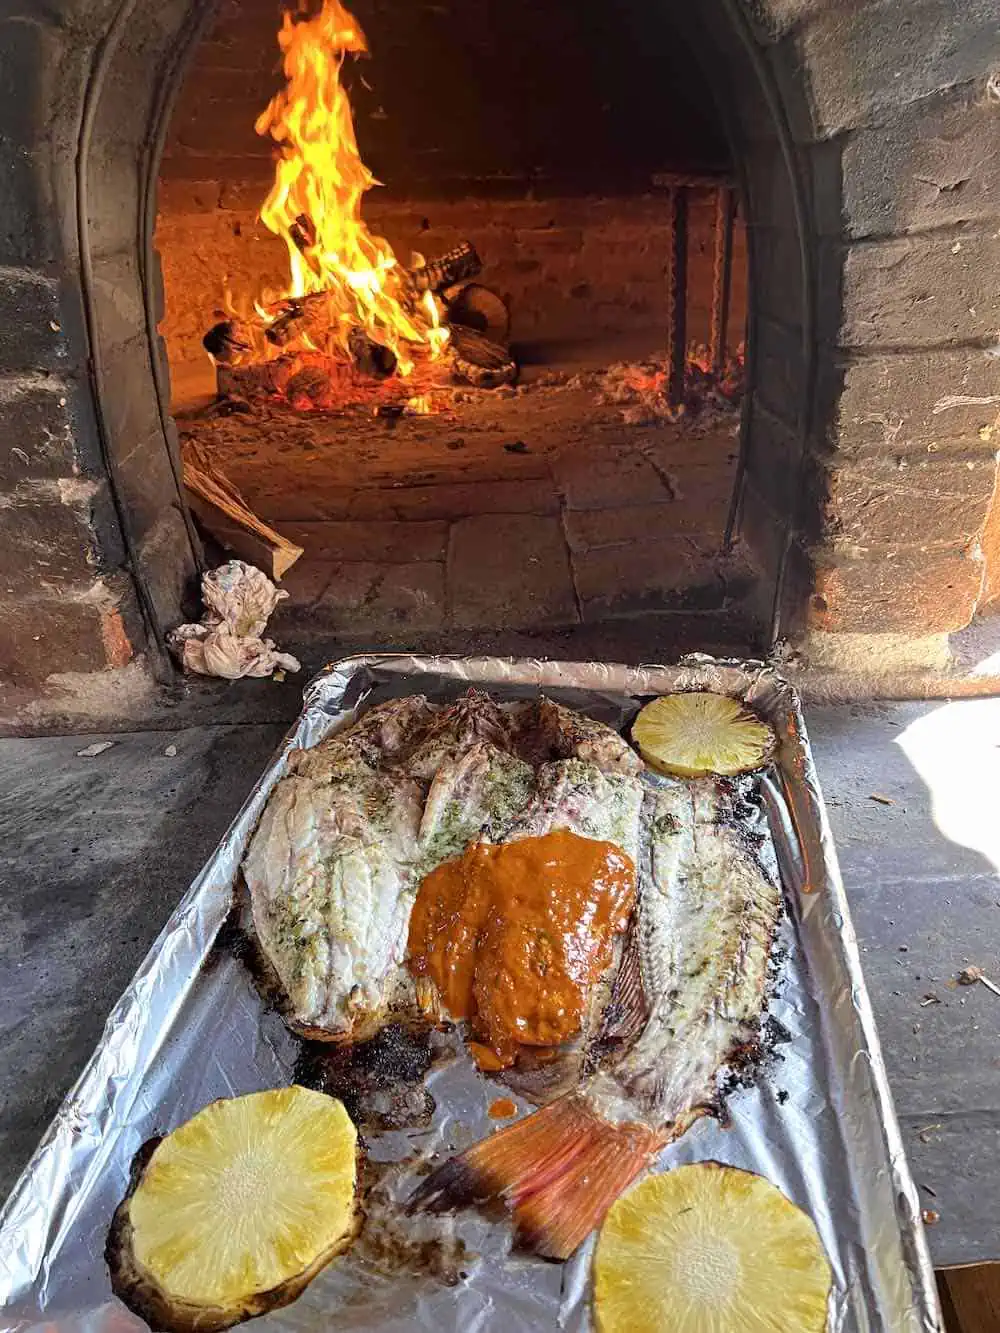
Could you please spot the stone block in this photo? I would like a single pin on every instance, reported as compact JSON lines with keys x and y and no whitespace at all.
{"x":32,"y":55}
{"x":780,"y":361}
{"x":701,"y":506}
{"x":187,"y":195}
{"x":454,"y":500}
{"x":32,"y":336}
{"x":777,"y":272}
{"x":666,"y":574}
{"x":146,"y":484}
{"x":866,"y":60}
{"x":384,"y":543}
{"x":599,"y":477}
{"x":761,"y":529}
{"x":50,"y":536}
{"x":362,"y":597}
{"x":917,"y":291}
{"x":935,"y":164}
{"x":774,"y":461}
{"x":28,"y":231}
{"x":924,"y":401}
{"x":46,"y":429}
{"x":510,"y":570}
{"x":168,"y":568}
{"x":118,"y":298}
{"x":935,"y":499}
{"x":905,"y":590}
{"x":43,"y":636}
{"x":114,"y":196}
{"x":990,"y":543}
{"x":128,"y":395}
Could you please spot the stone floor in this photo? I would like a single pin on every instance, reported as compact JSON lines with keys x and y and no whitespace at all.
{"x":537,"y":509}
{"x":99,"y":850}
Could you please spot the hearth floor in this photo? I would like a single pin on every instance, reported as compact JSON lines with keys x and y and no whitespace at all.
{"x":521,"y":509}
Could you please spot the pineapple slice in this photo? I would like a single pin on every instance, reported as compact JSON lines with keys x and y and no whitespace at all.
{"x":234,"y":1212}
{"x":709,"y":1249}
{"x":689,"y":735}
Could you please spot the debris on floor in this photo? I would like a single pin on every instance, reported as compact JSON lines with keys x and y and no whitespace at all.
{"x":970,"y":975}
{"x":641,"y":388}
{"x":228,"y":642}
{"x":92,"y":751}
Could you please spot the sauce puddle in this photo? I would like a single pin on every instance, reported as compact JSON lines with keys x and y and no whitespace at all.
{"x":515,"y":935}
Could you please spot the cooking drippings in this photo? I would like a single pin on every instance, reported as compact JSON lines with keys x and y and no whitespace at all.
{"x":515,"y":935}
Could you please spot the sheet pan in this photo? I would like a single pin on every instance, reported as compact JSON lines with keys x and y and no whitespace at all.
{"x":818,"y":1121}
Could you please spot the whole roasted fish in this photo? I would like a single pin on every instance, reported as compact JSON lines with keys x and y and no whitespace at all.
{"x":348,"y":834}
{"x":688,"y":999}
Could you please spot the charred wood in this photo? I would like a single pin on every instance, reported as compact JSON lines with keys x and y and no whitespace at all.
{"x":458,"y":265}
{"x":482,"y":309}
{"x":370,"y":357}
{"x":310,"y":384}
{"x":227,"y":341}
{"x":259,"y":379}
{"x":479,"y":361}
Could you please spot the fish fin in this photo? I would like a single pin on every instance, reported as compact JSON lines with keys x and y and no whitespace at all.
{"x":558,"y":1170}
{"x":627,"y":1011}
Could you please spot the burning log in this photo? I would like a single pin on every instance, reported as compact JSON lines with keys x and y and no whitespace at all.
{"x":228,"y":341}
{"x":311,"y":386}
{"x":227,"y":516}
{"x":370,"y":357}
{"x":482,"y":309}
{"x":458,"y":265}
{"x":259,"y":379}
{"x":479,"y":361}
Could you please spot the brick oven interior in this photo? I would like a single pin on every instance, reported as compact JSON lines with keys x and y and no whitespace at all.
{"x":859,"y":477}
{"x":555,"y":139}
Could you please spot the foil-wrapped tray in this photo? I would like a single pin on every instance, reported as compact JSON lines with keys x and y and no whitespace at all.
{"x":817,"y":1120}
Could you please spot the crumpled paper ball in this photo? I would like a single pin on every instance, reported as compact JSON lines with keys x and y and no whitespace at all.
{"x":229,"y":642}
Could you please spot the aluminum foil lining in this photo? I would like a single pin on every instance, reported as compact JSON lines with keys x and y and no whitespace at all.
{"x":818,"y":1121}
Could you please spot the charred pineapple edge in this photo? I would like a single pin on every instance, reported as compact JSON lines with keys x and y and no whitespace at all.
{"x":134,"y":1285}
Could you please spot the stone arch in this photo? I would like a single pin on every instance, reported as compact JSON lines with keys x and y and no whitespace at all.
{"x":869,"y":153}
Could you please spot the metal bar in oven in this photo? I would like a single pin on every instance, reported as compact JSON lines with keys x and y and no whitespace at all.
{"x":677,"y":295}
{"x":722,"y":276}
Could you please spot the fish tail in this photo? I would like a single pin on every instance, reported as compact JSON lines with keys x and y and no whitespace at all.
{"x":558,"y":1171}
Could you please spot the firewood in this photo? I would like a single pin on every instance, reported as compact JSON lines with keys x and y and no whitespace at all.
{"x":370,"y":357}
{"x":311,"y":383}
{"x":259,"y":379}
{"x":479,"y":361}
{"x":228,"y":341}
{"x":226,"y":515}
{"x":456,"y":266}
{"x":481,"y":308}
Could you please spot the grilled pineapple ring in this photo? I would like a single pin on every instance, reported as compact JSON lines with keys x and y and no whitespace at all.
{"x":707,"y":1248}
{"x":690,"y":735}
{"x":236,"y":1211}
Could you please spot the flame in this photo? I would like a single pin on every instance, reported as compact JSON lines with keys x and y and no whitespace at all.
{"x":319,"y":184}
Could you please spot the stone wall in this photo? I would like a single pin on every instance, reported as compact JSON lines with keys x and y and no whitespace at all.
{"x":497,"y":94}
{"x":94,"y":553}
{"x":888,"y":464}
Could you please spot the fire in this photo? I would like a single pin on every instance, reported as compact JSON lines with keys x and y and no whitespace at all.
{"x":315,"y":202}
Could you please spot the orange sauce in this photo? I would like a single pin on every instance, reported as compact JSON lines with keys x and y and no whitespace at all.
{"x":502,"y":1109}
{"x":515,"y":935}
